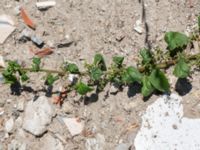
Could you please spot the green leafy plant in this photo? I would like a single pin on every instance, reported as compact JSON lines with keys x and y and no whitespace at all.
{"x":149,"y":73}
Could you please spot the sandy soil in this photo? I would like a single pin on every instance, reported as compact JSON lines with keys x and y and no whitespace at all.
{"x":102,"y":26}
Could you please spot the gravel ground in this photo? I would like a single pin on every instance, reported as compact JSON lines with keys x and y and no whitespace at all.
{"x":30,"y":121}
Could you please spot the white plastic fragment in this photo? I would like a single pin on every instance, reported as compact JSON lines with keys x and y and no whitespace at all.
{"x":45,"y":5}
{"x":6,"y":27}
{"x":74,"y":126}
{"x":165,"y":128}
{"x":138,"y":26}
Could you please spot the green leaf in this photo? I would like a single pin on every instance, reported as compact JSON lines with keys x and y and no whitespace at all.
{"x":36,"y":64}
{"x":72,"y":68}
{"x":131,"y":75}
{"x":147,"y":87}
{"x":95,"y":73}
{"x":24,"y":77}
{"x":118,"y":60}
{"x":146,"y":56}
{"x":176,"y":40}
{"x":99,"y":62}
{"x":159,"y":80}
{"x":9,"y":77}
{"x":51,"y":79}
{"x":182,"y":69}
{"x":82,"y":88}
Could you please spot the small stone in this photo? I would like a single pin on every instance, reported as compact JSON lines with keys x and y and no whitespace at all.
{"x":123,"y":146}
{"x":25,"y":35}
{"x":74,"y":125}
{"x":38,"y":115}
{"x":20,"y":105}
{"x":17,"y":10}
{"x":9,"y":125}
{"x":72,"y":78}
{"x":36,"y":40}
{"x":2,"y":62}
{"x":138,"y":27}
{"x":114,"y":88}
{"x":16,"y":145}
{"x":97,"y":143}
{"x":48,"y":142}
{"x":45,"y":5}
{"x":67,"y":107}
{"x":2,"y":102}
{"x":65,"y":42}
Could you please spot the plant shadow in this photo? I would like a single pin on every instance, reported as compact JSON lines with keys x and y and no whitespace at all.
{"x":134,"y":89}
{"x":183,"y":86}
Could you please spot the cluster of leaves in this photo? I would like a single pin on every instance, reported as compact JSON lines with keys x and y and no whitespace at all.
{"x":148,"y":74}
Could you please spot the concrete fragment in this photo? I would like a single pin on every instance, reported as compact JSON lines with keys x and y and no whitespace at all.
{"x":38,"y":115}
{"x":97,"y":143}
{"x":48,"y":142}
{"x":74,"y":125}
{"x":6,"y":27}
{"x":45,"y":5}
{"x":164,"y":127}
{"x":9,"y":125}
{"x":16,"y":145}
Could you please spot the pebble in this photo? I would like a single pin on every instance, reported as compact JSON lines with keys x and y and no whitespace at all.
{"x":51,"y":143}
{"x":20,"y":105}
{"x":123,"y":146}
{"x":38,"y":115}
{"x":138,"y":27}
{"x":9,"y":125}
{"x":45,"y":5}
{"x":36,"y":40}
{"x":96,"y":143}
{"x":74,"y":126}
{"x":16,"y":145}
{"x":72,"y":78}
{"x":2,"y":62}
{"x":114,"y":89}
{"x":25,"y":35}
{"x":2,"y":102}
{"x":67,"y":108}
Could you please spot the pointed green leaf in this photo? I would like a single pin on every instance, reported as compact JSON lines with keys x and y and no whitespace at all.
{"x":199,"y":22}
{"x":118,"y":60}
{"x":72,"y":68}
{"x":82,"y":88}
{"x":36,"y":64}
{"x":182,"y":69}
{"x":51,"y":79}
{"x":147,"y":87}
{"x":131,"y":75}
{"x":146,"y":56}
{"x":99,"y":62}
{"x":159,"y":80}
{"x":95,"y":73}
{"x":176,"y":40}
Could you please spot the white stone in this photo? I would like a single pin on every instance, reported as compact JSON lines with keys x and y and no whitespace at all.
{"x":2,"y":62}
{"x":72,"y":78}
{"x":38,"y":115}
{"x":6,"y":27}
{"x":138,"y":26}
{"x":20,"y":105}
{"x":16,"y":145}
{"x":74,"y":126}
{"x":51,"y":143}
{"x":97,"y":143}
{"x":9,"y":125}
{"x":45,"y":4}
{"x":165,"y":128}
